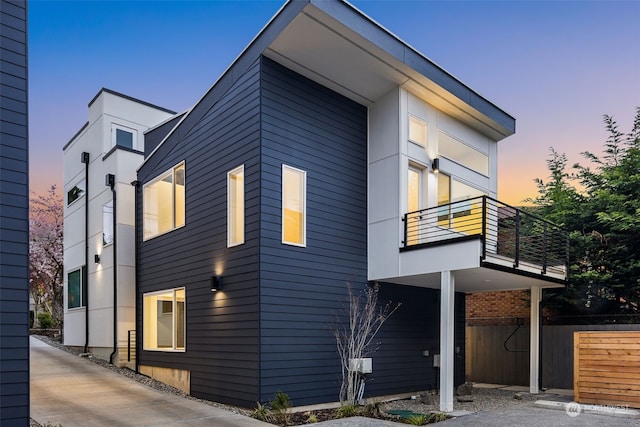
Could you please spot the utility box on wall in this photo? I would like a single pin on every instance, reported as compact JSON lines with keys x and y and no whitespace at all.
{"x":362,"y":365}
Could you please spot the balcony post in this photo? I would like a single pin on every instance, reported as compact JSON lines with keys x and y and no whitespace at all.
{"x":447,"y":354}
{"x":405,"y":219}
{"x":534,"y":346}
{"x":516,"y":261}
{"x":484,"y":227}
{"x":544,"y":250}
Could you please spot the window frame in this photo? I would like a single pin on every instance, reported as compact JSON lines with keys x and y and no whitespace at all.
{"x":108,"y":223}
{"x":174,"y":313}
{"x":303,"y":188}
{"x":235,"y":214}
{"x":418,"y":121}
{"x":81,"y":291}
{"x":134,"y":137}
{"x":463,"y":162}
{"x":82,"y":187}
{"x":174,"y":226}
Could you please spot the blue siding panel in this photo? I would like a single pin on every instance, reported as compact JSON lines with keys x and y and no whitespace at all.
{"x":222,"y":336}
{"x":14,"y":208}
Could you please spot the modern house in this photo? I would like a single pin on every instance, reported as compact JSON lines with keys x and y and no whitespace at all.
{"x":100,"y":163}
{"x":14,"y":215}
{"x":330,"y":152}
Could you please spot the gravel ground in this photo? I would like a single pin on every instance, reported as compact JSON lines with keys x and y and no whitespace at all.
{"x":484,"y":399}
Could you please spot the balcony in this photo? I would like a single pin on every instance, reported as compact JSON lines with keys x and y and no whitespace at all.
{"x":510,"y":240}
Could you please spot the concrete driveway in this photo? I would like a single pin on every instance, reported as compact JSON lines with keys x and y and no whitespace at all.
{"x":72,"y":391}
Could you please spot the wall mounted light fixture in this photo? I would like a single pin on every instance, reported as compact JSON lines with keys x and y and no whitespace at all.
{"x":110,"y":180}
{"x":216,"y":283}
{"x":96,"y":259}
{"x":435,"y":165}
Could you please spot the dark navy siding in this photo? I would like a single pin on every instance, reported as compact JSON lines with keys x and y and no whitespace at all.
{"x":154,"y":136}
{"x":307,"y":126}
{"x":222,"y":328}
{"x":14,"y":209}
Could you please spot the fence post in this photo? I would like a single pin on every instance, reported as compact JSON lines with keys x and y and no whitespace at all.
{"x":516,"y":261}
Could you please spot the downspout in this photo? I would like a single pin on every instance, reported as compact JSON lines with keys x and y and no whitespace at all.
{"x":84,"y":158}
{"x":110,"y":181}
{"x":136,"y":186}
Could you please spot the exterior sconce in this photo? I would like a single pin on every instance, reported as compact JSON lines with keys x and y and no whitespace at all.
{"x":96,"y":259}
{"x":110,"y":180}
{"x":216,"y":283}
{"x":435,"y":165}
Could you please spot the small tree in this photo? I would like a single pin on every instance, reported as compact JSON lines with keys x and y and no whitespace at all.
{"x":46,"y":254}
{"x":354,"y":338}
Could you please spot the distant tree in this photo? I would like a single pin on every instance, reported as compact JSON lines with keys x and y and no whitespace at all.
{"x":45,"y":254}
{"x":603,"y":218}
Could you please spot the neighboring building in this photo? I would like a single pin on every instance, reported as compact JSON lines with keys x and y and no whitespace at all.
{"x":14,"y":216}
{"x":111,"y":142}
{"x":330,"y":152}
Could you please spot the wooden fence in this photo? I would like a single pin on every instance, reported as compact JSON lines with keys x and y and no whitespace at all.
{"x":607,"y":368}
{"x":488,"y":361}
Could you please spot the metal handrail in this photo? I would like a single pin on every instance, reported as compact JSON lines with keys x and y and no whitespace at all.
{"x":505,"y":231}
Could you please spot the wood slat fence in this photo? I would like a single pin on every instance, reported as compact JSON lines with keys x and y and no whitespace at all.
{"x":607,"y":368}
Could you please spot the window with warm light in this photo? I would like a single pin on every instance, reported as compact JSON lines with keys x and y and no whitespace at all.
{"x":417,"y":131}
{"x":235,"y":207}
{"x":463,"y":154}
{"x":107,"y":223}
{"x":294,"y":182}
{"x":460,"y":205}
{"x":164,"y":203}
{"x":164,"y":320}
{"x":414,"y":197}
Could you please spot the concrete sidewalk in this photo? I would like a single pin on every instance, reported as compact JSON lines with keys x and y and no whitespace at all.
{"x":72,"y":391}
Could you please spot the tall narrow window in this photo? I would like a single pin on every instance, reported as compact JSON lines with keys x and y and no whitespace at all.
{"x":75,"y":290}
{"x":414,"y":196}
{"x":164,"y":320}
{"x":294,"y":182}
{"x":107,"y":223}
{"x":417,"y":131}
{"x":235,"y":207}
{"x":164,"y":202}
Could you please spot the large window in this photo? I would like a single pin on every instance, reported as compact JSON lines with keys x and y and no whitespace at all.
{"x":107,"y":223}
{"x":463,"y":154}
{"x":124,"y":137}
{"x":75,"y":289}
{"x":164,"y":320}
{"x":235,"y":207}
{"x":164,"y":202}
{"x":75,"y":192}
{"x":294,"y":183}
{"x":464,"y":213}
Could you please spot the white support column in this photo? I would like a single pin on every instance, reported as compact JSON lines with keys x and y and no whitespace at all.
{"x":447,"y":356}
{"x":534,"y":347}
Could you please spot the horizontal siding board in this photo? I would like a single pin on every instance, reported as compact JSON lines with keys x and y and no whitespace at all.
{"x":222,"y":328}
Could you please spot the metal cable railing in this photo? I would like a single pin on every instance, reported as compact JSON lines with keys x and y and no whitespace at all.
{"x":505,"y":231}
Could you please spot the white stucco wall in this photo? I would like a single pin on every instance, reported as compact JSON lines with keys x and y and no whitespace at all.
{"x":96,"y":139}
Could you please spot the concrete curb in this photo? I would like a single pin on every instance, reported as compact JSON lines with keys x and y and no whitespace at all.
{"x":573,"y":409}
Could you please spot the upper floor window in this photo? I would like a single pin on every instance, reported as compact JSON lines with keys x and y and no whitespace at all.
{"x":235,"y":207}
{"x":107,"y":223}
{"x":164,"y":202}
{"x":124,"y":137}
{"x":417,"y":131}
{"x":294,"y":227}
{"x":164,"y":320}
{"x":75,"y":289}
{"x":463,"y":154}
{"x":76,"y":192}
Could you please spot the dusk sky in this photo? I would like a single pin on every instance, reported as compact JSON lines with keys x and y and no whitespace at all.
{"x":557,"y":67}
